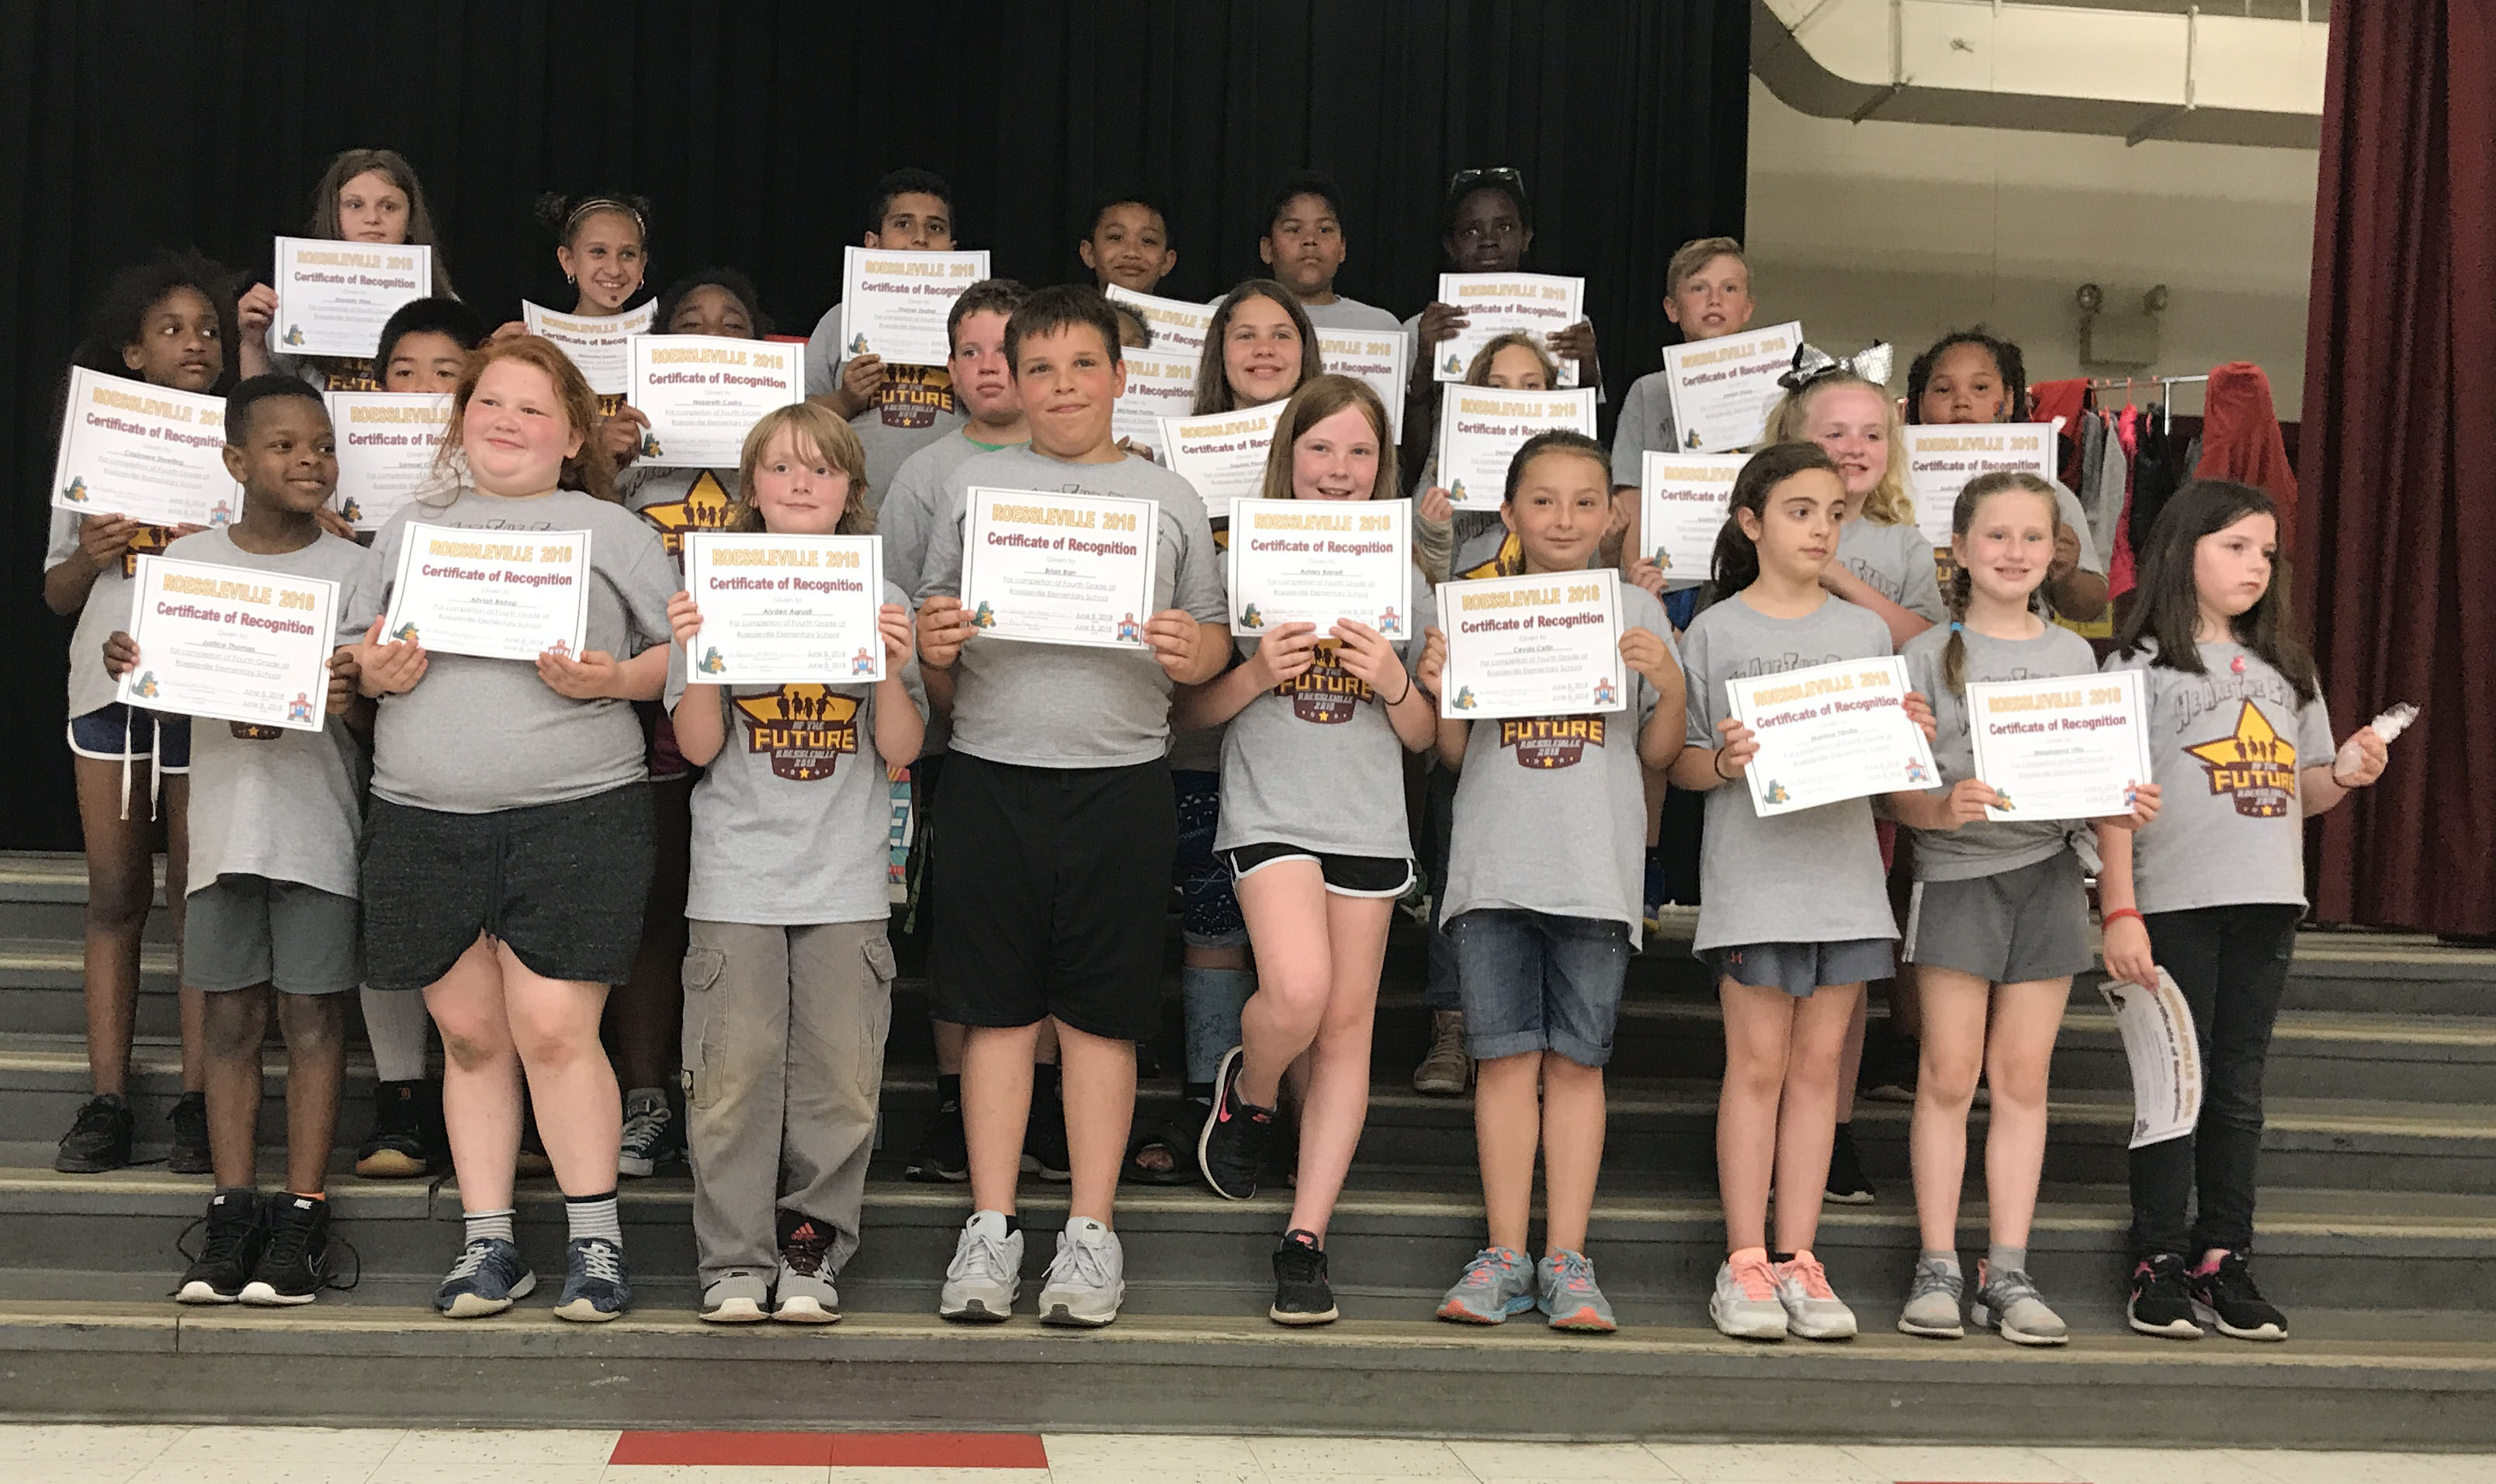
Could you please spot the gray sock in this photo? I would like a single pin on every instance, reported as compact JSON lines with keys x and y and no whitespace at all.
{"x":489,"y":1224}
{"x":1948,"y":1261}
{"x":593,"y":1216}
{"x":2005,"y":1259}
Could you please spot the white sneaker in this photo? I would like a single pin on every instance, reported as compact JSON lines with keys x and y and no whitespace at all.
{"x":1744,"y":1305}
{"x":986,"y":1274}
{"x":1088,"y":1277}
{"x":736,"y":1299}
{"x":1811,"y":1309}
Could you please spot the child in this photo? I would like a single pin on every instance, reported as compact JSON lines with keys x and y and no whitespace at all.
{"x":602,"y":244}
{"x":1542,"y":905}
{"x":2241,"y":743}
{"x":426,"y":343}
{"x":272,"y":901}
{"x":365,"y":195}
{"x":1999,"y":921}
{"x":508,"y":848}
{"x":166,"y":322}
{"x":1707,"y":295}
{"x":1260,"y":346}
{"x":788,"y":978}
{"x":1129,"y":244}
{"x":1303,"y":244}
{"x":1318,"y":869}
{"x":894,"y":410}
{"x":1792,"y":916}
{"x":1478,"y":544}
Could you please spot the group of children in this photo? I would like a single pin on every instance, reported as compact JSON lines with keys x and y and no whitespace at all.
{"x":518,"y":845}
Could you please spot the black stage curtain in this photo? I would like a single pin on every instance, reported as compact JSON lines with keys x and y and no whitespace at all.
{"x":756,"y":130}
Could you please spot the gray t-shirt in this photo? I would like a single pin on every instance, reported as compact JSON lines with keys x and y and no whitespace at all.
{"x":677,"y":501}
{"x":1897,"y":562}
{"x":1811,"y":876}
{"x":1072,"y":705}
{"x":1646,"y":427}
{"x":1347,"y":313}
{"x":1315,"y":763}
{"x":1983,"y":848}
{"x":916,"y":408}
{"x":1550,"y":812}
{"x":268,"y":801}
{"x":912,"y":503}
{"x":107,"y":610}
{"x":2225,"y":749}
{"x":479,"y":735}
{"x":792,"y":820}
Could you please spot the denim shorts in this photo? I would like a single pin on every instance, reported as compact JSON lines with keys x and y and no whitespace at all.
{"x":1209,"y":917}
{"x":1533,"y":981}
{"x":110,"y":730}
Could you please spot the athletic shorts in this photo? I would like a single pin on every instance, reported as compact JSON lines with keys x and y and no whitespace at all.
{"x":561,"y":885}
{"x":1346,"y":876}
{"x":241,"y":930}
{"x":1209,"y":914}
{"x":2015,"y":927}
{"x":1536,"y":981}
{"x":114,"y":732}
{"x":1800,"y":968}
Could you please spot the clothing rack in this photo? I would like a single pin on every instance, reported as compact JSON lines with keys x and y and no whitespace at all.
{"x":2166,"y":407}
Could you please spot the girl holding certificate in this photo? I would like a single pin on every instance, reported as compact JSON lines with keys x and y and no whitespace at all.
{"x":602,"y":243}
{"x":1477,"y":544}
{"x":365,"y":195}
{"x":508,"y":847}
{"x":1314,"y":833}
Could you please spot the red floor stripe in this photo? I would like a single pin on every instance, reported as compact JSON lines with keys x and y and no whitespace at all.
{"x":803,"y":1449}
{"x":815,"y":1450}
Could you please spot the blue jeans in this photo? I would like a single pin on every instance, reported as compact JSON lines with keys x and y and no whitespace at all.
{"x":1533,"y":981}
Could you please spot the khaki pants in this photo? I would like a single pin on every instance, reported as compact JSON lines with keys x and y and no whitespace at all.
{"x":784,"y":1061}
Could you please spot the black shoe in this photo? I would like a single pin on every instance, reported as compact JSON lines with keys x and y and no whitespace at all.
{"x":1892,"y":1060}
{"x":1237,"y":1135}
{"x":294,"y":1265}
{"x":189,"y":1152}
{"x":238,"y":1230}
{"x":1847,"y":1186}
{"x":943,"y":1155}
{"x":2162,"y":1299}
{"x":1044,"y":1139}
{"x":2228,"y":1294}
{"x":100,"y":1139}
{"x":397,"y":1148}
{"x":1301,"y":1295}
{"x":654,"y":1134}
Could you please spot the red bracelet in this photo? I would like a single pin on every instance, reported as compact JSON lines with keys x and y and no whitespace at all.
{"x":2108,"y":920}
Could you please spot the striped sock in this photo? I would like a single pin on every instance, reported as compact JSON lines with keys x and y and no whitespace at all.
{"x":489,"y":1224}
{"x":593,"y":1216}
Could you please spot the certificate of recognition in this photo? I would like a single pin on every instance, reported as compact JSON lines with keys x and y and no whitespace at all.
{"x":1723,"y":388}
{"x":1059,"y":568}
{"x":1496,"y":303}
{"x":1157,"y":385}
{"x":1321,"y":561}
{"x":703,"y":393}
{"x":1381,"y":358}
{"x":1544,"y":645}
{"x":333,"y":297}
{"x":593,"y":342}
{"x":1481,"y":428}
{"x":1223,"y":454}
{"x":1830,"y":732}
{"x":2068,"y":747}
{"x":148,"y":454}
{"x":231,"y":642}
{"x":895,"y":304}
{"x":1179,"y":327}
{"x":1942,"y":457}
{"x":1682,"y":501}
{"x":386,"y":444}
{"x":2164,"y":1055}
{"x":785,"y":609}
{"x":495,"y":594}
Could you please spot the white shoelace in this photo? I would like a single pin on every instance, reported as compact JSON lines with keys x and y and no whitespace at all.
{"x":472,"y":1261}
{"x":980,"y":1257}
{"x":1086,"y":1263}
{"x":644,"y":1128}
{"x":603,"y":1261}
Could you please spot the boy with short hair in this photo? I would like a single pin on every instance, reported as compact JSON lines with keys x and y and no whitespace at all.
{"x":1708,"y":292}
{"x":425,"y":344}
{"x":1129,"y":244}
{"x":894,"y":410}
{"x":1303,"y":244}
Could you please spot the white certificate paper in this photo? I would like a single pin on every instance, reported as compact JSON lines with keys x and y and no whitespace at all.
{"x":1723,"y":388}
{"x":2166,"y":1057}
{"x":596,"y":343}
{"x":1942,"y":457}
{"x":1381,"y":358}
{"x":1321,"y":561}
{"x":387,"y":441}
{"x":1682,"y":501}
{"x":495,"y":594}
{"x":147,"y":454}
{"x":1495,"y":303}
{"x":1830,"y":732}
{"x":1059,"y":568}
{"x":1481,"y":428}
{"x":2069,"y":747}
{"x":1157,"y":385}
{"x":1223,"y":454}
{"x":785,"y":609}
{"x":333,"y":297}
{"x":231,"y":642}
{"x":1179,"y":327}
{"x":703,"y":393}
{"x":1548,"y":644}
{"x":894,"y":305}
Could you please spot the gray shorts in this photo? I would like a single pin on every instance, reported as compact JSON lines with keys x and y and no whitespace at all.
{"x":2015,"y":927}
{"x":245,"y":930}
{"x":1800,"y":968}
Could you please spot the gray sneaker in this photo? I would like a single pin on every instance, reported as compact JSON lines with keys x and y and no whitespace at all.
{"x":1744,"y":1303}
{"x":1497,"y":1282}
{"x":1565,"y":1290}
{"x":2008,"y":1304}
{"x":1088,"y":1277}
{"x":986,"y":1274}
{"x":1932,"y":1303}
{"x":736,"y":1299}
{"x":804,"y":1294}
{"x":1813,"y":1310}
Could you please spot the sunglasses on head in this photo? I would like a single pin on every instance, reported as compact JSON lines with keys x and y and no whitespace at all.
{"x":1496,"y":175}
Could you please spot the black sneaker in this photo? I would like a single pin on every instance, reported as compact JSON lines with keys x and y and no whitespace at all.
{"x":1892,"y":1059}
{"x":654,"y":1134}
{"x":943,"y":1155}
{"x":1847,"y":1186}
{"x":398,"y":1148}
{"x":2162,"y":1299}
{"x":596,"y":1287}
{"x":2228,"y":1292}
{"x":1232,"y":1149}
{"x":100,"y":1139}
{"x":236,"y":1231}
{"x":1301,"y":1295}
{"x":1044,"y":1140}
{"x":294,"y":1264}
{"x":188,"y":1154}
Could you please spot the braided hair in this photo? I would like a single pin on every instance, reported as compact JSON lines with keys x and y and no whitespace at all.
{"x":2006,"y":359}
{"x":1961,"y":586}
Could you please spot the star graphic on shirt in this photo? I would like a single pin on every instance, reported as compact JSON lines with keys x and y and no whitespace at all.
{"x":2253,"y":743}
{"x":706,"y":507}
{"x":2254,"y":764}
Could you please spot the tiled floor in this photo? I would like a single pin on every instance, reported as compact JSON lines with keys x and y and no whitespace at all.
{"x":246,"y":1455}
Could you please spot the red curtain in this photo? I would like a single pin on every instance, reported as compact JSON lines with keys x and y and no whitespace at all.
{"x":2397,"y":529}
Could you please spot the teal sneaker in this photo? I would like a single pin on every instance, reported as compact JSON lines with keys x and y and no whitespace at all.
{"x":1497,"y":1282}
{"x":1565,"y":1290}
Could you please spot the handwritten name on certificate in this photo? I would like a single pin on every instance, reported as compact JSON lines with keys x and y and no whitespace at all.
{"x":1381,"y":358}
{"x":785,"y":609}
{"x":1830,"y":732}
{"x":231,"y":642}
{"x":387,"y":441}
{"x":1060,"y":568}
{"x":1494,"y":304}
{"x":146,"y":454}
{"x":492,"y":593}
{"x":593,"y":342}
{"x":1481,"y":428}
{"x":1158,"y":387}
{"x":895,"y":304}
{"x":1682,"y":502}
{"x":703,"y":393}
{"x":1543,"y":645}
{"x":1942,"y":457}
{"x":1223,"y":454}
{"x":2068,"y":747}
{"x":1723,"y":388}
{"x":333,"y":297}
{"x":1321,"y":561}
{"x":1179,"y":327}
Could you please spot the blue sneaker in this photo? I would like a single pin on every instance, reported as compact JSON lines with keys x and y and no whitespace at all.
{"x":1565,"y":1290}
{"x":595,"y":1288}
{"x":1497,"y":1282}
{"x":488,"y":1278}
